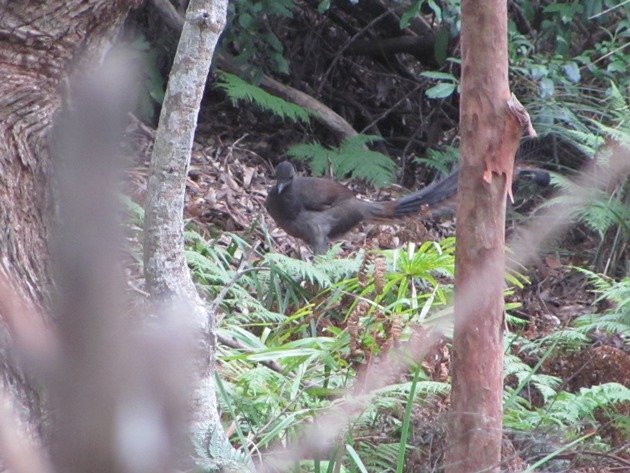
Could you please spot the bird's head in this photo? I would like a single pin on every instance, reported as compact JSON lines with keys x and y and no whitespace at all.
{"x":284,"y":175}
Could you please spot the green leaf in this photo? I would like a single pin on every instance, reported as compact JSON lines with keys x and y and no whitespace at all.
{"x":323,"y":6}
{"x":355,"y":458}
{"x":439,"y":75}
{"x":404,"y":435}
{"x":437,"y":11}
{"x":410,"y":13}
{"x":245,"y":20}
{"x":547,"y":87}
{"x":281,"y":354}
{"x":572,"y":71}
{"x":273,"y":41}
{"x":277,"y":429}
{"x":281,"y":64}
{"x":441,"y":90}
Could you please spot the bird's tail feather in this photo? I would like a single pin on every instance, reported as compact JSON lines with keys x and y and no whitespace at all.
{"x":438,"y":197}
{"x":431,"y":198}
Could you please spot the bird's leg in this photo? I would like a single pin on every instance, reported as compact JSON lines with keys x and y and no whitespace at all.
{"x":319,"y":243}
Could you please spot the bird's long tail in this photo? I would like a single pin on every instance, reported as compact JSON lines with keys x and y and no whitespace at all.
{"x":431,"y":199}
{"x":439,"y":197}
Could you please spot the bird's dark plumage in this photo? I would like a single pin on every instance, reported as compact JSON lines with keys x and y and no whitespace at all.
{"x":319,"y":210}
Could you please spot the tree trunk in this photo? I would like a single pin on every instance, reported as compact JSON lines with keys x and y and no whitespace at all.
{"x":168,"y":278}
{"x":41,"y":44}
{"x":490,"y":136}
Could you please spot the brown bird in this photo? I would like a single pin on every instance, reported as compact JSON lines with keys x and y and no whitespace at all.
{"x":319,"y":210}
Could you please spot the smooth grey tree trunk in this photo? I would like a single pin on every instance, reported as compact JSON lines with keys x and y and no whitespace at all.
{"x":168,"y":278}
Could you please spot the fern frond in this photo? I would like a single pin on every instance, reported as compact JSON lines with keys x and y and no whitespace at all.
{"x":206,"y":268}
{"x":618,"y":134}
{"x":338,"y":269}
{"x":250,"y":310}
{"x":423,"y":389}
{"x":617,"y":101}
{"x":613,"y":323}
{"x":318,"y":156}
{"x":380,"y":457}
{"x":394,"y":396}
{"x":568,"y":408}
{"x":616,"y":291}
{"x":587,"y":141}
{"x":351,"y":158}
{"x":600,"y":213}
{"x":136,"y":211}
{"x":297,"y":269}
{"x":360,"y":162}
{"x":562,"y":339}
{"x":440,"y":160}
{"x":547,"y":385}
{"x":216,"y":454}
{"x":237,"y":89}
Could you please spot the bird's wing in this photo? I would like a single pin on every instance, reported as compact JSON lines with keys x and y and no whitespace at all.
{"x":319,"y":194}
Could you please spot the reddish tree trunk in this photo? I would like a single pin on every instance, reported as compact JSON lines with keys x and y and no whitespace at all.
{"x":489,"y":139}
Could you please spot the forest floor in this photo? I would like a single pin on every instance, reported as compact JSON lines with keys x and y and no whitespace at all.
{"x":228,"y":181}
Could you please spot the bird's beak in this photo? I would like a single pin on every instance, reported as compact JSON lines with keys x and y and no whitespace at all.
{"x":281,"y":186}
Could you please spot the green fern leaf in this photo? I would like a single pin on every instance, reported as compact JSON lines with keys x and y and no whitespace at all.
{"x":216,"y":454}
{"x":298,"y":269}
{"x":440,"y":160}
{"x":319,"y":156}
{"x":351,"y":158}
{"x":237,"y":89}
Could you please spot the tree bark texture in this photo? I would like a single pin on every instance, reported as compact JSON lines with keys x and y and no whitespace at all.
{"x":165,"y":265}
{"x":489,"y":137}
{"x":166,"y":270}
{"x":41,"y":44}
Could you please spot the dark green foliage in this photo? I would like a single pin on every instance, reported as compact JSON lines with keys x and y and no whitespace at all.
{"x":607,"y":211}
{"x":566,"y":409}
{"x":614,"y":320}
{"x":441,"y":160}
{"x":601,"y":212}
{"x":273,"y":309}
{"x":323,"y":6}
{"x":292,"y":313}
{"x":350,"y":159}
{"x":562,"y":408}
{"x":249,"y":33}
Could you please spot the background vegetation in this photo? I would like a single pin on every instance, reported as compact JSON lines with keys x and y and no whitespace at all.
{"x":296,"y":333}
